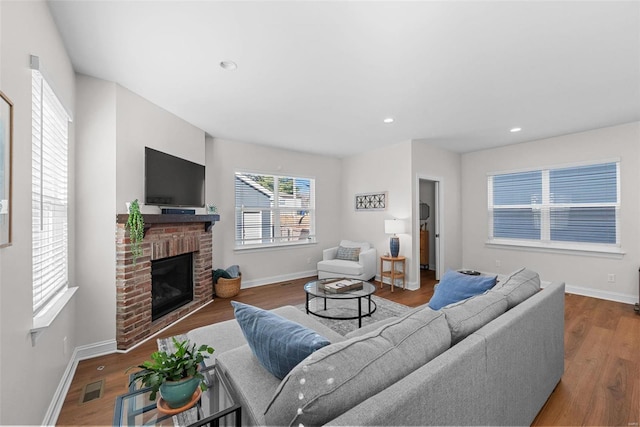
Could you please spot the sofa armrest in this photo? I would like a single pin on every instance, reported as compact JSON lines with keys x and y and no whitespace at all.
{"x":368,"y":260}
{"x":329,"y":253}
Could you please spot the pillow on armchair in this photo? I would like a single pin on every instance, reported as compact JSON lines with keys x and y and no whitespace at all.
{"x":348,"y":254}
{"x":349,"y":244}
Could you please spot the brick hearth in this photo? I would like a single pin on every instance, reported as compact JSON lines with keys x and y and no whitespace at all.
{"x":133,"y":282}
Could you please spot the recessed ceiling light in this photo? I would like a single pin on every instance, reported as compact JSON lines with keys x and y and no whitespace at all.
{"x":388,"y":120}
{"x":513,"y":130}
{"x":228,"y":65}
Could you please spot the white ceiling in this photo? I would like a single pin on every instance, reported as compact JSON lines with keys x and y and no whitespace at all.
{"x":321,"y":76}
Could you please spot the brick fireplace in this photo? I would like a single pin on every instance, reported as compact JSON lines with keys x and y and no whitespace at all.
{"x":166,"y":236}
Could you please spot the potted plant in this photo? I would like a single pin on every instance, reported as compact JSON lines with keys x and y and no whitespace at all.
{"x":135,"y":227}
{"x":174,"y":374}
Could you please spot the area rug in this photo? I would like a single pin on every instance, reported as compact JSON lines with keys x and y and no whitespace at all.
{"x":349,"y":308}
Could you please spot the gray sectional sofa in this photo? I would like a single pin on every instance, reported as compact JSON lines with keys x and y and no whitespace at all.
{"x":493,"y":359}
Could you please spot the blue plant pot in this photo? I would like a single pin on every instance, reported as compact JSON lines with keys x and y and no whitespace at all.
{"x":394,"y":246}
{"x":179,"y":393}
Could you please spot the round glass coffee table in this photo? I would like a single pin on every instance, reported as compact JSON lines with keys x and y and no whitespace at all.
{"x":315,"y":289}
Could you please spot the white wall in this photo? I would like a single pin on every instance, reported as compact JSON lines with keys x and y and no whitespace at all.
{"x":384,"y":169}
{"x":141,"y":123}
{"x":585,"y":274}
{"x":260,"y":266}
{"x":96,"y":208}
{"x":433,"y":163}
{"x":27,"y":28}
{"x":114,"y":126}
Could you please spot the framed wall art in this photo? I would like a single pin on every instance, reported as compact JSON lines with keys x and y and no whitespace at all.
{"x":6,"y":141}
{"x":371,"y":201}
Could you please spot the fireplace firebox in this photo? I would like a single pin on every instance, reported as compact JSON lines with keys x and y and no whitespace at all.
{"x":171,"y":284}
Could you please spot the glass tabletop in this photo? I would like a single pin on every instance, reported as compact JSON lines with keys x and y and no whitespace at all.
{"x":316,"y":288}
{"x":217,"y":405}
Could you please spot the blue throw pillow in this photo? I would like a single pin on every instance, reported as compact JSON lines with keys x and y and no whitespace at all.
{"x":278,"y":344}
{"x":455,"y":286}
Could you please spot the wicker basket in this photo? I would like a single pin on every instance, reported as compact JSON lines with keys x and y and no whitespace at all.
{"x":227,"y":288}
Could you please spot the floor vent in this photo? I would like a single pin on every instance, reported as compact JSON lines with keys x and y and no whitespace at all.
{"x":92,"y":391}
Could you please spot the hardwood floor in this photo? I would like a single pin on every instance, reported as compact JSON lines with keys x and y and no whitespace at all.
{"x":601,"y":384}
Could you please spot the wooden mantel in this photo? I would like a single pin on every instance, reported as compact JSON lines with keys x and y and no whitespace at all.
{"x":151,"y":219}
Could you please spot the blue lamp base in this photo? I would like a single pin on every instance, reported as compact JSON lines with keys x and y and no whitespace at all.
{"x":394,"y":246}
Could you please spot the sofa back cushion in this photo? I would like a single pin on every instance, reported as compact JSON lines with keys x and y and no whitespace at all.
{"x":455,"y":286}
{"x":467,"y":316}
{"x":518,"y":286}
{"x":337,"y":377}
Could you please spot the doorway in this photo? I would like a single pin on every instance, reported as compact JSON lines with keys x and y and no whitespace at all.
{"x":429,"y":220}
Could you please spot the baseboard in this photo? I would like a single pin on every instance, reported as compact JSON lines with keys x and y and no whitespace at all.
{"x":594,"y":293}
{"x":410,"y":286}
{"x":79,"y":353}
{"x":278,"y":279}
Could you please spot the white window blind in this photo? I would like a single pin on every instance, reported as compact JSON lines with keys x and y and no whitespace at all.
{"x":274,"y":210}
{"x":49,"y":193}
{"x":578,"y":204}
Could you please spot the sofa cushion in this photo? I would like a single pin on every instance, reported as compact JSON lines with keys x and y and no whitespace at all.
{"x":455,"y":286}
{"x":340,"y":376}
{"x":518,"y":286}
{"x":340,"y":266}
{"x":279,"y":344}
{"x":467,"y":316}
{"x":348,"y":254}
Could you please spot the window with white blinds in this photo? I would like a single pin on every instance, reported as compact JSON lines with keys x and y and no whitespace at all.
{"x":274,"y":210}
{"x":49,"y":193}
{"x":556,"y":206}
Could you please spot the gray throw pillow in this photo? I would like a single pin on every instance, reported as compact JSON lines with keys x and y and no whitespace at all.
{"x":348,"y":254}
{"x":466,"y":317}
{"x":518,"y":286}
{"x":338,"y":377}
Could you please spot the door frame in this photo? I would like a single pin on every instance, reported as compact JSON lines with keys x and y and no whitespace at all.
{"x":439,"y":223}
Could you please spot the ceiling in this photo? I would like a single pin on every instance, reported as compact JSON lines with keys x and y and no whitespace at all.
{"x":320,"y":77}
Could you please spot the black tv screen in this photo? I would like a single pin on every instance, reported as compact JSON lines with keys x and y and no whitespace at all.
{"x":172,"y":181}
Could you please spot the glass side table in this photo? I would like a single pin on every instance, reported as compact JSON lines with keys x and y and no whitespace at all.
{"x":217,"y":406}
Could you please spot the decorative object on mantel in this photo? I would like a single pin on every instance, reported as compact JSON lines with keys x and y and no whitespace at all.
{"x":175,"y":374}
{"x":135,"y":227}
{"x":6,"y":141}
{"x":394,"y":226}
{"x":371,"y":201}
{"x":211,"y":208}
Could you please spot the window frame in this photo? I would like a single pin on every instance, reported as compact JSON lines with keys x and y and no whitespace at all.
{"x":545,"y":244}
{"x":276,"y":211}
{"x":50,"y":289}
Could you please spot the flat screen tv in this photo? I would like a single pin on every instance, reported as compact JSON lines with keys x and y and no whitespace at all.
{"x":172,"y":181}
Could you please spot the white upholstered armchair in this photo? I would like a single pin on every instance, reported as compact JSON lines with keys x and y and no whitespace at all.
{"x":353,"y":260}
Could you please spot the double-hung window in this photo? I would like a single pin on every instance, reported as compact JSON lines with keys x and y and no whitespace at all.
{"x":573,"y":207}
{"x":273,"y":210}
{"x":49,"y":193}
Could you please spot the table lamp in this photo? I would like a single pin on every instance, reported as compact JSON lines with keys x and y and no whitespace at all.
{"x":393,"y":226}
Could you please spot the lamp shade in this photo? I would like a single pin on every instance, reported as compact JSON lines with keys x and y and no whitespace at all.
{"x":393,"y":226}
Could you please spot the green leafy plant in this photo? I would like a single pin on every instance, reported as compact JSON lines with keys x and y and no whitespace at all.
{"x":135,"y":227}
{"x":163,"y":366}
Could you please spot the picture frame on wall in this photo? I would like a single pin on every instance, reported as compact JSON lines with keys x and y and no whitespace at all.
{"x":371,"y":201}
{"x":6,"y":146}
